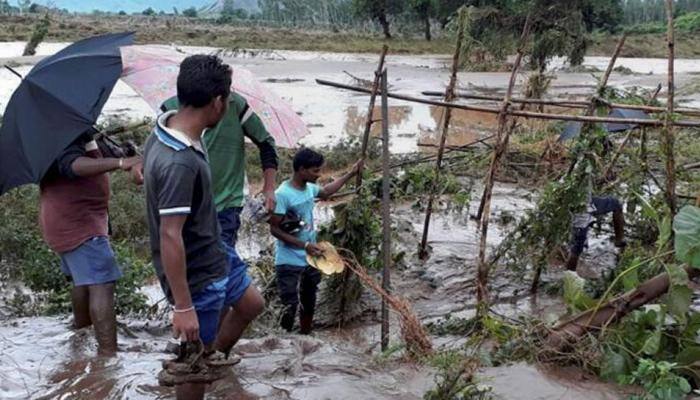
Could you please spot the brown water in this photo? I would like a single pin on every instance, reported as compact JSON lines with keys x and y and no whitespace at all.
{"x":333,"y":114}
{"x":41,"y":358}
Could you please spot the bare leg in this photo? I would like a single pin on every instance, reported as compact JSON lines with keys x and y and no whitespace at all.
{"x":237,"y":319}
{"x":80,"y":298}
{"x":103,"y":318}
{"x":190,"y":391}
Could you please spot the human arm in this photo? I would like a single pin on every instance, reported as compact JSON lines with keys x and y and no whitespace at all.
{"x":255,"y":130}
{"x":290,"y":239}
{"x":330,"y":189}
{"x":174,"y":186}
{"x":87,"y":166}
{"x":172,"y":250}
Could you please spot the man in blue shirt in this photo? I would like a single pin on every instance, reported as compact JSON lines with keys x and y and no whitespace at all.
{"x":296,"y":280}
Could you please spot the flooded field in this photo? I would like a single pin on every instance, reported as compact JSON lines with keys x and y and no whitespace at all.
{"x":42,"y":358}
{"x":333,"y":114}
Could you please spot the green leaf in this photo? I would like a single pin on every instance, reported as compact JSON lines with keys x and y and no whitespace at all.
{"x":677,"y":275}
{"x":686,"y":225}
{"x":631,"y":279}
{"x":689,"y":356}
{"x":574,"y":294}
{"x":678,"y":301}
{"x":615,"y":367}
{"x":652,"y":343}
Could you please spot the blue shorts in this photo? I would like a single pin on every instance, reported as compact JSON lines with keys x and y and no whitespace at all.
{"x":91,"y":263}
{"x":225,"y":292}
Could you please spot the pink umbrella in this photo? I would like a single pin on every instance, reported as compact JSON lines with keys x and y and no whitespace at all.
{"x":151,"y":70}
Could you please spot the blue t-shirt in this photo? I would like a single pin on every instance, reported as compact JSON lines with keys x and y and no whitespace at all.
{"x":301,"y":203}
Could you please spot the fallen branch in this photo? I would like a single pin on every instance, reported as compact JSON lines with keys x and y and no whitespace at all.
{"x":571,"y":330}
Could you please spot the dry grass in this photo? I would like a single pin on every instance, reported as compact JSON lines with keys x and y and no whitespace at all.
{"x":412,"y":331}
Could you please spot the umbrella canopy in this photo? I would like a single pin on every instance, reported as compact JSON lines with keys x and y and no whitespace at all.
{"x":151,"y":70}
{"x":624,"y":113}
{"x":573,"y":129}
{"x":58,"y":100}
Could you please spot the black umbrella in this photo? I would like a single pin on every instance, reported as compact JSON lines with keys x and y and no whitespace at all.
{"x":58,"y":100}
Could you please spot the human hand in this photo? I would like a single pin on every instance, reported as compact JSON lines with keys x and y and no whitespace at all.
{"x":313,"y":249}
{"x":269,"y":200}
{"x":127,"y":163}
{"x":186,"y":325}
{"x":137,"y":173}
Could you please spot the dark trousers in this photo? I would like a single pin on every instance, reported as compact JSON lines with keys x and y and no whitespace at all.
{"x":601,"y":206}
{"x":230,"y":221}
{"x":297,"y":285}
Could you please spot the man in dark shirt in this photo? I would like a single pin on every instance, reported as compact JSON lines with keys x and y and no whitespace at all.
{"x":74,"y":202}
{"x":192,"y":263}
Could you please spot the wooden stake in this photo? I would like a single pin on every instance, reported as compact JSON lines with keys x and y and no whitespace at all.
{"x":669,"y":140}
{"x":386,"y":213}
{"x":449,"y":97}
{"x":516,"y":113}
{"x":615,"y":156}
{"x":370,"y":111}
{"x":358,"y":182}
{"x":502,"y":138}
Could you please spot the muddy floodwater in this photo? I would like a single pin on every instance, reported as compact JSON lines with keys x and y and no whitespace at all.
{"x":42,"y":358}
{"x":333,"y":114}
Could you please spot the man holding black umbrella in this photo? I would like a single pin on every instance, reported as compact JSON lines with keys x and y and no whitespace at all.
{"x":74,"y":203}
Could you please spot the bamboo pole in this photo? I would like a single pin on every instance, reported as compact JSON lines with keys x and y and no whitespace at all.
{"x":516,"y":113}
{"x":447,"y":115}
{"x":668,"y":136}
{"x":643,"y":139}
{"x":386,"y":213}
{"x":365,"y":144}
{"x":370,"y":111}
{"x":615,"y":156}
{"x":568,"y":103}
{"x":502,"y":138}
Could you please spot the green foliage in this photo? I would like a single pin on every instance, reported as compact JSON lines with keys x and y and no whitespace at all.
{"x":148,"y":12}
{"x":455,"y":379}
{"x":686,"y":226}
{"x":659,"y":380}
{"x":190,"y":12}
{"x":41,"y":28}
{"x":575,"y":296}
{"x":689,"y":22}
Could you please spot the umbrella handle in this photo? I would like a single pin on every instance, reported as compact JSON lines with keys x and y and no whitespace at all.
{"x":14,"y":72}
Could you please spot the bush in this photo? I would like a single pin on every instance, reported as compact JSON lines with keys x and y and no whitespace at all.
{"x":689,"y":22}
{"x":41,"y":28}
{"x":190,"y":12}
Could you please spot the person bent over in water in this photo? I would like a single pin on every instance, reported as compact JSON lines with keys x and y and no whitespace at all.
{"x":581,"y":223}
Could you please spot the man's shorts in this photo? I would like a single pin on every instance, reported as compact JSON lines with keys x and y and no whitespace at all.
{"x":225,"y":292}
{"x":91,"y":263}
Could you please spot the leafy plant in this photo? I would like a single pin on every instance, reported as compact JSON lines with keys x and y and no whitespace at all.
{"x":659,"y":381}
{"x":686,"y":226}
